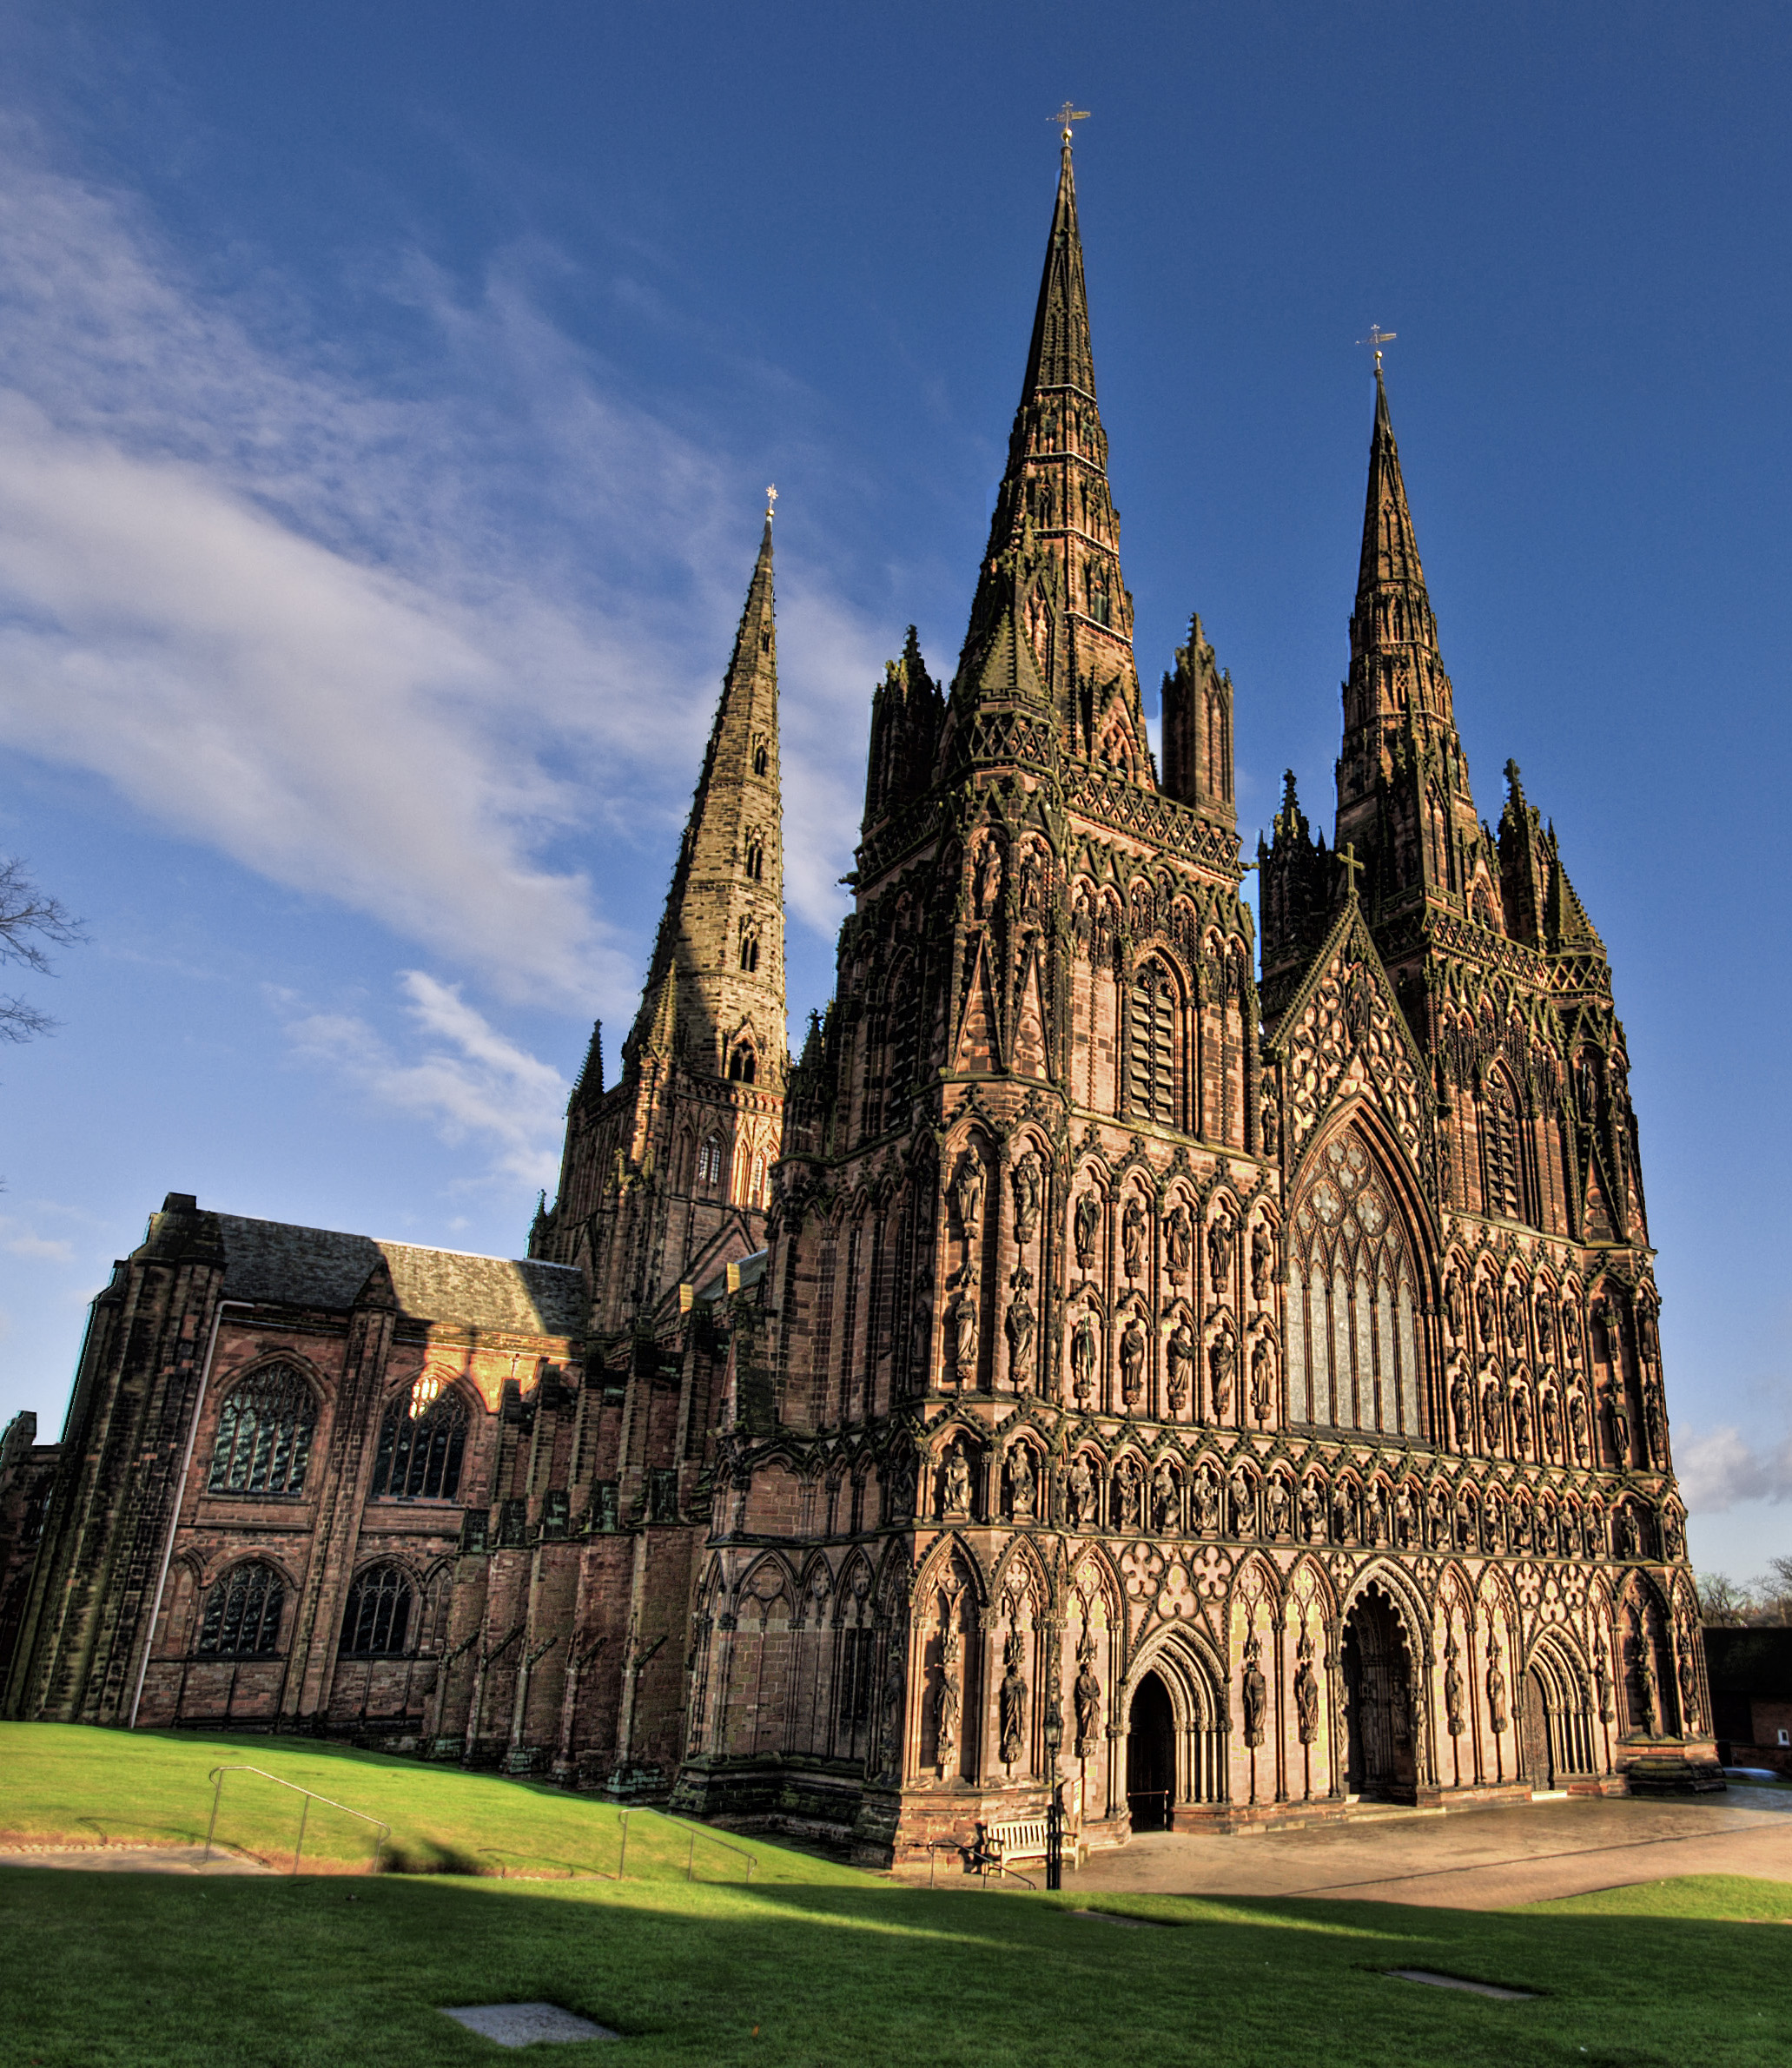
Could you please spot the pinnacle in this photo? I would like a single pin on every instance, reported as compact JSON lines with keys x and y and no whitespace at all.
{"x":1389,"y":546}
{"x":1059,"y":354}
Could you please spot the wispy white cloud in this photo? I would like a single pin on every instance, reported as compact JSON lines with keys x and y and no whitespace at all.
{"x":400,"y":646}
{"x":1722,"y":1467}
{"x":470,"y":1083}
{"x":19,"y":1238}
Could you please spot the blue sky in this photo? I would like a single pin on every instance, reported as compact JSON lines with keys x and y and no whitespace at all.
{"x":386,"y":397}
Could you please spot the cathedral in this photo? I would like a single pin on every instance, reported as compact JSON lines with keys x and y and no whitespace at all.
{"x":1219,"y":1375}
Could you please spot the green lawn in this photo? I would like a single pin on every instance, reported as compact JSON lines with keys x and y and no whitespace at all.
{"x":813,"y":1964}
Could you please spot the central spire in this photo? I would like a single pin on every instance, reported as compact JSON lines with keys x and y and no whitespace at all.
{"x":1052,"y":621}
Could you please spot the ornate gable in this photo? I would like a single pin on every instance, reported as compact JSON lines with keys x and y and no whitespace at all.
{"x":1344,"y":1035}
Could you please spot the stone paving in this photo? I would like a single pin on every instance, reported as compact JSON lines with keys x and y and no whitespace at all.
{"x":1469,"y":1860}
{"x":131,"y":1859}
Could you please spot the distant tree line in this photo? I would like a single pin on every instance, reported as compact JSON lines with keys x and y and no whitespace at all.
{"x":1763,"y":1604}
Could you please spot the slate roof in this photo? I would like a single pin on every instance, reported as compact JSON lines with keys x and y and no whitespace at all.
{"x":319,"y":1268}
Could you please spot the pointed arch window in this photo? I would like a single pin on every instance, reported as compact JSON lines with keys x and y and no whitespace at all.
{"x":378,"y":1619}
{"x":1151,"y":1046}
{"x":743,"y":1064}
{"x":422,"y":1441}
{"x":709,"y":1161}
{"x":240,"y":1619}
{"x":762,"y":755}
{"x":1501,"y":1162}
{"x":749,"y":945}
{"x":264,"y":1434}
{"x":903,"y":1022}
{"x":756,"y":859}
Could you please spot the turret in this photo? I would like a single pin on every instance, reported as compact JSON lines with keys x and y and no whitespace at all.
{"x":1197,"y":732}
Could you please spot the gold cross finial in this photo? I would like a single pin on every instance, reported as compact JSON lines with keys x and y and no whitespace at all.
{"x":770,"y":504}
{"x":1377,"y":338}
{"x":1067,"y":115}
{"x":1352,"y":869}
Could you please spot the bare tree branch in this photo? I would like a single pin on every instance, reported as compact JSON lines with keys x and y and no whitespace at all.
{"x":31,"y":922}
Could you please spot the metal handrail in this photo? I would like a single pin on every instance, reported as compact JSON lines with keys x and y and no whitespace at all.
{"x":311,"y":1795}
{"x":696,"y":1831}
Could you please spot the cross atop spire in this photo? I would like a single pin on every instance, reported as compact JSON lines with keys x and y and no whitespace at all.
{"x":1065,"y":116}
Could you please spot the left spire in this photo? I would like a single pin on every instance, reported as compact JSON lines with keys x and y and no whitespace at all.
{"x":717,"y":974}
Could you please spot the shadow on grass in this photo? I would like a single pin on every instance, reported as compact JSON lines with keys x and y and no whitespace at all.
{"x":316,"y":1973}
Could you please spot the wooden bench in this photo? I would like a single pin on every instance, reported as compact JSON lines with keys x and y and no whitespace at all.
{"x":1024,"y":1838}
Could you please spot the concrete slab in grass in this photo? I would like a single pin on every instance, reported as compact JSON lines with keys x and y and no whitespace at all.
{"x":527,"y":2025}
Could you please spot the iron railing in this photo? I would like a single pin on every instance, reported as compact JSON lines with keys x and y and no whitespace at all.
{"x":311,"y":1795}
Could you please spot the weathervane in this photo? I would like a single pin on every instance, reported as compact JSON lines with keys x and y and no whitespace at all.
{"x":1066,"y":115}
{"x":1377,"y":338}
{"x":770,"y":504}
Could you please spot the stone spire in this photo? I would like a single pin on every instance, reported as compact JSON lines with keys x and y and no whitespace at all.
{"x":715,"y":986}
{"x":1051,"y":578}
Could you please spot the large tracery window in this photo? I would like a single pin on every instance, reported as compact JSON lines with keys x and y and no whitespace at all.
{"x":264,"y":1434}
{"x":421,"y":1441}
{"x":1499,"y":1149}
{"x":1354,"y":1335}
{"x":378,"y":1619}
{"x":242,"y":1614}
{"x":1151,"y":1046}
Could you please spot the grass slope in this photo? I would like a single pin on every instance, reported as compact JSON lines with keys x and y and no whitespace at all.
{"x":818,"y":1967}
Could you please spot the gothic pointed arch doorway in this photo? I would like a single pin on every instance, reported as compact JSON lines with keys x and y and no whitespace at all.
{"x":1378,"y":1693}
{"x":1151,"y":1756}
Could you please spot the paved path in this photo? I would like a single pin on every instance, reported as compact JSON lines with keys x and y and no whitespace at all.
{"x":131,"y":1859}
{"x":1467,"y":1860}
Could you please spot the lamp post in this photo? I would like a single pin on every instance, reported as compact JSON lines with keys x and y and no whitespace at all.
{"x":1055,"y":1805}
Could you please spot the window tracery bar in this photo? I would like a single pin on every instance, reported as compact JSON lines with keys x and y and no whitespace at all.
{"x":242,"y":1614}
{"x":422,"y":1442}
{"x":265,"y":1429}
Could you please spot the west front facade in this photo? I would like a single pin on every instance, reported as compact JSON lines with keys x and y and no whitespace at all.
{"x":1242,"y":1349}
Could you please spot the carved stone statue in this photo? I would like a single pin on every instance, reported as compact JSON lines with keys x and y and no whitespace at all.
{"x":1689,"y":1682}
{"x":1262,"y":1261}
{"x":989,"y":876}
{"x":1515,"y":1319}
{"x":1453,"y":1689}
{"x":1496,"y":1688}
{"x":945,"y":1708}
{"x":1013,"y":1704}
{"x":1462,"y":1408}
{"x":1132,"y":1362}
{"x":1255,"y":1692}
{"x":968,"y":1195}
{"x":1452,"y":1304}
{"x":1242,"y":1494}
{"x":1221,"y":1237}
{"x":1578,"y":1424}
{"x":1130,"y":1489}
{"x":963,"y":1332}
{"x":1024,"y":1182}
{"x":1312,"y":1512}
{"x":1376,"y":1505}
{"x":1082,"y":1360}
{"x":1484,"y":1313}
{"x":1206,"y":1503}
{"x":1343,"y":1513}
{"x":1019,"y":1328}
{"x":1222,"y":1363}
{"x":1086,"y":1697}
{"x":1022,"y":1483}
{"x":1087,"y":1227}
{"x":1403,"y":1516}
{"x":1163,"y":1497}
{"x":1306,"y":1692}
{"x":1080,"y":1493}
{"x":890,"y":1735}
{"x":1262,"y":1379}
{"x":1620,"y":1426}
{"x":955,"y":1501}
{"x":1550,"y":1413}
{"x":1032,"y":883}
{"x":1521,"y":1420}
{"x":1179,"y":1237}
{"x":1132,"y":1237}
{"x":1276,"y":1506}
{"x":1179,"y":1357}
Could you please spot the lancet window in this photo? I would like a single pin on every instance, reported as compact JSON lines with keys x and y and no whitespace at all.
{"x":378,"y":1619}
{"x":1500,"y":1152}
{"x":1151,"y":1046}
{"x":264,"y":1434}
{"x":240,"y":1619}
{"x":422,"y":1439}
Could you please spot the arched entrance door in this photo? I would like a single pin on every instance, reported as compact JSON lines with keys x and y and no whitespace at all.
{"x":1151,"y":1756}
{"x":1378,"y":1689}
{"x":1534,"y":1732}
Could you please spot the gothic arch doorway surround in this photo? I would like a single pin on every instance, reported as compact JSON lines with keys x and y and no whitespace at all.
{"x":1377,"y":1692}
{"x":1151,"y":1756}
{"x":1534,"y":1732}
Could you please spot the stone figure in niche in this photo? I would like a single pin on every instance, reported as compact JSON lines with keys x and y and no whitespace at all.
{"x":1179,"y":1237}
{"x":903,"y":1481}
{"x":1462,"y":1408}
{"x":1496,"y":1688}
{"x":989,"y":877}
{"x":1521,"y":1420}
{"x":1255,"y":1691}
{"x":1623,"y":1531}
{"x":1484,"y":1313}
{"x":1673,"y":1536}
{"x":1306,"y":1692}
{"x":1276,"y":1506}
{"x":1272,"y":1119}
{"x":1222,"y":1363}
{"x":1645,"y":1687}
{"x":1221,"y":1237}
{"x":890,"y":1733}
{"x":1438,"y":1508}
{"x":1602,"y":1681}
{"x":1131,"y":1489}
{"x":1578,"y":1424}
{"x":1541,"y":1312}
{"x":1492,"y":1417}
{"x":1403,"y":1516}
{"x":1262,"y":1379}
{"x":1013,"y":1704}
{"x":1024,"y":1181}
{"x":1689,"y":1682}
{"x":1377,"y":1513}
{"x":1620,"y":1426}
{"x":1082,"y":1360}
{"x":1586,"y":1087}
{"x":1494,"y":1513}
{"x":1515,"y":1319}
{"x":1032,"y":884}
{"x":1163,"y":1497}
{"x":920,"y":1331}
{"x":1312,"y":1513}
{"x":1080,"y":1493}
{"x":1022,"y":1483}
{"x":1241,"y":1491}
{"x":1654,"y":1421}
{"x":1132,"y":1237}
{"x":1132,"y":1362}
{"x":1452,"y":1303}
{"x":1087,"y":1225}
{"x":1086,"y":1696}
{"x":1550,"y":1413}
{"x":1343,"y":1513}
{"x":1206,"y":1503}
{"x":968,"y":1196}
{"x":964,"y":1331}
{"x":1649,"y":1344}
{"x":1262,"y":1260}
{"x":1453,"y":1689}
{"x":946,"y":1706}
{"x":1018,"y":1329}
{"x":955,"y":1501}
